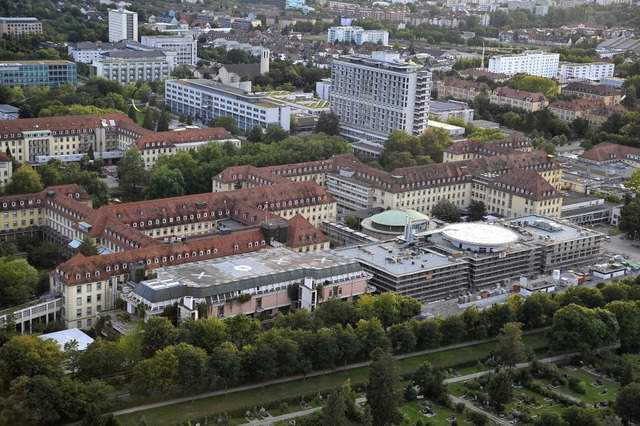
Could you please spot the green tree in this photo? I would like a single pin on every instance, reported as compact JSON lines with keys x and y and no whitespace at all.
{"x":148,"y":122}
{"x":579,"y":416}
{"x":18,"y":281}
{"x":275,"y":134}
{"x":398,"y":160}
{"x":383,"y":394}
{"x":500,"y":388}
{"x":477,"y":211}
{"x":255,"y":134}
{"x":163,"y":122}
{"x":633,"y":183}
{"x":534,"y":84}
{"x":25,"y":180}
{"x":628,"y":403}
{"x":225,"y":364}
{"x":227,"y":122}
{"x":131,"y":172}
{"x":628,"y":317}
{"x":29,"y":356}
{"x":431,"y":383}
{"x":371,"y":335}
{"x":156,"y":374}
{"x":328,"y":123}
{"x":510,"y":348}
{"x":158,"y":334}
{"x":453,"y":329}
{"x":446,"y":211}
{"x":207,"y":333}
{"x":583,"y":329}
{"x":352,"y":222}
{"x":334,"y":410}
{"x":88,"y":247}
{"x":335,"y":311}
{"x":630,"y":219}
{"x":165,"y":183}
{"x":192,"y":367}
{"x":550,"y":419}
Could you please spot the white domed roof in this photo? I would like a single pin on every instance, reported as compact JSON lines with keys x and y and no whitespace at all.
{"x":480,"y":235}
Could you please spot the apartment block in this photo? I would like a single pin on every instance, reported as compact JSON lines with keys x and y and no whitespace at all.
{"x":568,"y":111}
{"x":123,"y":25}
{"x":357,"y":35}
{"x":469,"y":149}
{"x":531,"y":62}
{"x":594,"y":71}
{"x":451,"y":109}
{"x":17,"y":27}
{"x":50,"y":73}
{"x":518,"y":99}
{"x":375,"y":95}
{"x":206,"y":100}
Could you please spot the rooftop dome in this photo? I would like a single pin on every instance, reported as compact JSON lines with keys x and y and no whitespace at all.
{"x":480,"y":237}
{"x":392,"y":222}
{"x":397,"y":217}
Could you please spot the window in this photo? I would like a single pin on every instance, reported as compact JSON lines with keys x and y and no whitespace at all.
{"x":98,"y":297}
{"x":88,"y":299}
{"x":79,"y":288}
{"x":88,"y":288}
{"x":79,"y":324}
{"x":89,"y":311}
{"x":78,"y":312}
{"x":79,"y":301}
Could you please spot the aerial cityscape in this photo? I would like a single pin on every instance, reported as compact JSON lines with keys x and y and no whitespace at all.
{"x":316,"y":212}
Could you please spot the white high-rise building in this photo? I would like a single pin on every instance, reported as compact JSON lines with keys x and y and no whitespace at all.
{"x":375,"y":95}
{"x":123,"y":24}
{"x":591,"y":71}
{"x":532,"y":62}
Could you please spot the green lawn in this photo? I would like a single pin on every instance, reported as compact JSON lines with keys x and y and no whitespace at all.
{"x":270,"y":394}
{"x":413,"y":412}
{"x":592,"y":395}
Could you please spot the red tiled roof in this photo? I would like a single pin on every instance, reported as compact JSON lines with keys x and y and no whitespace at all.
{"x":465,"y":84}
{"x":507,"y":92}
{"x":527,"y":184}
{"x":483,"y":73}
{"x":508,"y":145}
{"x":9,"y":129}
{"x":607,"y":151}
{"x":173,"y":138}
{"x":577,"y":104}
{"x":208,"y":248}
{"x":302,"y":233}
{"x":595,"y":89}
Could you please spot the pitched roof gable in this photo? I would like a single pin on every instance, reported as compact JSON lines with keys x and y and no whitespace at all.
{"x":527,"y":184}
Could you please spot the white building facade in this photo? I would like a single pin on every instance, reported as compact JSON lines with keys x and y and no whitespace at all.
{"x":375,"y":95}
{"x":207,"y":100}
{"x":532,"y":62}
{"x":123,"y":25}
{"x":186,"y":48}
{"x":130,"y":70}
{"x":357,"y":35}
{"x":595,"y":71}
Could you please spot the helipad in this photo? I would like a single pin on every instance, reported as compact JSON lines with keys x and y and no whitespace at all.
{"x":480,"y":237}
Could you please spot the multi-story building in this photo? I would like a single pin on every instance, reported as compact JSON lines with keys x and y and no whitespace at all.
{"x":186,"y":48}
{"x":599,"y":116}
{"x":206,"y":100}
{"x":88,"y":51}
{"x":469,"y":149}
{"x":464,"y":90}
{"x":349,"y":10}
{"x":608,"y":95}
{"x":375,"y":95}
{"x":520,"y":99}
{"x":595,"y":71}
{"x":355,"y":186}
{"x":17,"y":27}
{"x":357,"y":35}
{"x":50,"y":73}
{"x":451,"y":109}
{"x":6,"y":169}
{"x":474,"y":73}
{"x":153,"y":145}
{"x":532,"y":62}
{"x":568,"y":111}
{"x":464,"y":257}
{"x":130,"y":66}
{"x":139,"y":238}
{"x":36,"y":140}
{"x":609,"y":153}
{"x":123,"y":24}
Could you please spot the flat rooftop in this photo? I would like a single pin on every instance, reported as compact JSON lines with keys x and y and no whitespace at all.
{"x":231,"y":274}
{"x":565,"y":231}
{"x":390,"y":257}
{"x":446,"y":106}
